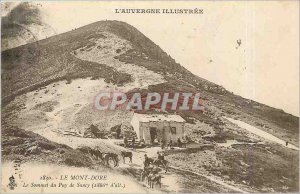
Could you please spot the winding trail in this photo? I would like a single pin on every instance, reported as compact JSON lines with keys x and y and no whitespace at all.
{"x":180,"y":180}
{"x":261,"y":133}
{"x":213,"y":179}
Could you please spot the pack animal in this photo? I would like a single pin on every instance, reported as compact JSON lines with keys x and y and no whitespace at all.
{"x":111,"y":156}
{"x":148,"y":161}
{"x":125,"y":154}
{"x":153,"y":178}
{"x":162,"y":163}
{"x":145,"y":173}
{"x":97,"y":154}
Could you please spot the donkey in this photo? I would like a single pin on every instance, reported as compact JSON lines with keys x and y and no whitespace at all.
{"x":125,"y":154}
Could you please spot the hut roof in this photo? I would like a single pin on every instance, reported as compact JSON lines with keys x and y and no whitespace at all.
{"x":158,"y":117}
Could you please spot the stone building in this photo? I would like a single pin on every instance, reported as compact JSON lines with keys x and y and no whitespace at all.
{"x":158,"y":126}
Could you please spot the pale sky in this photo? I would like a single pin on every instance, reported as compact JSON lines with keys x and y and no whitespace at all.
{"x":264,"y":68}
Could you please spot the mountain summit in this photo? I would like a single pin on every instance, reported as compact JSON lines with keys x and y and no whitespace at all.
{"x":50,"y":86}
{"x":118,"y":53}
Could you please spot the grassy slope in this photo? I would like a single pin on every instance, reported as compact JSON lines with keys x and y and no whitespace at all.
{"x":31,"y":66}
{"x":259,"y":167}
{"x":17,"y":142}
{"x":149,"y":55}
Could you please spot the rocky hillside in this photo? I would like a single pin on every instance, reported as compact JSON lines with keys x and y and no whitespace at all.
{"x":48,"y":92}
{"x":22,"y":24}
{"x":19,"y":144}
{"x":122,"y":56}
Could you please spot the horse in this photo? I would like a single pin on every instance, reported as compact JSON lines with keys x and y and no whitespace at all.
{"x":93,"y":152}
{"x":85,"y":149}
{"x":111,"y":156}
{"x":97,"y":154}
{"x":148,"y":161}
{"x":154,"y":178}
{"x":163,"y":163}
{"x":125,"y":154}
{"x":145,"y":172}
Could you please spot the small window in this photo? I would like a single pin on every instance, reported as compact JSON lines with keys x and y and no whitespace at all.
{"x":173,"y":130}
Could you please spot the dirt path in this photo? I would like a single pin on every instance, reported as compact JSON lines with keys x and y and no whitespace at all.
{"x":261,"y":133}
{"x":178,"y":180}
{"x":213,"y":179}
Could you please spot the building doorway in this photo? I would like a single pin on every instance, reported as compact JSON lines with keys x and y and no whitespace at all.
{"x":153,"y":134}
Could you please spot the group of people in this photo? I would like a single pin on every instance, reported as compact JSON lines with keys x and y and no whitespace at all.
{"x":170,"y":143}
{"x":126,"y":144}
{"x":150,"y":173}
{"x":163,"y":143}
{"x":160,"y":161}
{"x":133,"y":142}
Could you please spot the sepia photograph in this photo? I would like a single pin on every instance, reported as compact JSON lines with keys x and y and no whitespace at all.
{"x":150,"y":96}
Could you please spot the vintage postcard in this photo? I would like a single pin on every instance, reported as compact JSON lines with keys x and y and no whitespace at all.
{"x":150,"y":96}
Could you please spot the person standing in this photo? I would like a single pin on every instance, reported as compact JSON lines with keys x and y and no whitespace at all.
{"x":133,"y":142}
{"x":179,"y":143}
{"x":163,"y":143}
{"x":125,"y":142}
{"x":158,"y":156}
{"x":170,"y":144}
{"x":146,"y":161}
{"x":142,"y":143}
